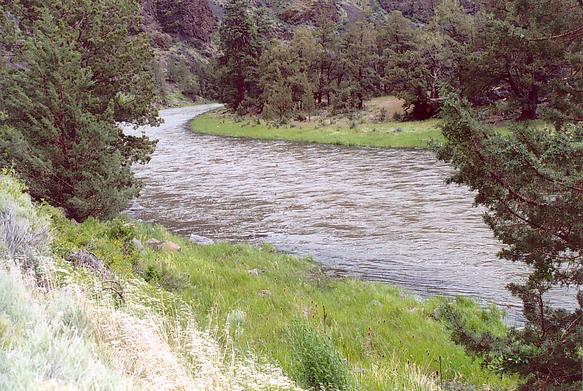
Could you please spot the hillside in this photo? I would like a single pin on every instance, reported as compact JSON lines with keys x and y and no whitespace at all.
{"x":146,"y":309}
{"x":183,"y":32}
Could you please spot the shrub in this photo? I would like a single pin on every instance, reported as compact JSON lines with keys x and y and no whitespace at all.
{"x":164,"y":277}
{"x":45,"y":343}
{"x":23,"y":232}
{"x":382,"y":117}
{"x":315,"y":361}
{"x":119,"y":229}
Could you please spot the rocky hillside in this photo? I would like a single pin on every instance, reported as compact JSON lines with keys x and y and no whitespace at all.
{"x":183,"y":31}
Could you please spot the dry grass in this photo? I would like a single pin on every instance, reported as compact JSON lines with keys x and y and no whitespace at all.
{"x":45,"y":342}
{"x":71,"y":334}
{"x":172,"y":353}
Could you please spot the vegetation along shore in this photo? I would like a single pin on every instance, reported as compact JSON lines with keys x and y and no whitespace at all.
{"x":279,"y":310}
{"x":372,"y":127}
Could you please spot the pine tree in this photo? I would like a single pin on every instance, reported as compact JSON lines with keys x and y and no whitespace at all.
{"x":530,"y":182}
{"x":422,"y":60}
{"x":308,"y":102}
{"x":278,"y":104}
{"x":357,"y":62}
{"x":327,"y":38}
{"x":240,"y":51}
{"x":534,"y":50}
{"x":68,"y":74}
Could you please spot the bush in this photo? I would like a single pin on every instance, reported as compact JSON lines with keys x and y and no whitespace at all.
{"x":382,"y":117}
{"x":45,"y":341}
{"x":119,"y":229}
{"x":23,"y":233}
{"x":315,"y":361}
{"x":398,"y":117}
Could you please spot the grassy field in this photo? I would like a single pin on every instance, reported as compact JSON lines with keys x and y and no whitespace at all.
{"x":370,"y":128}
{"x":252,"y":296}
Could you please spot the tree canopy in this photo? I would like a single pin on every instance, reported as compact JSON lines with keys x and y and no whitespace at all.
{"x":69,"y":73}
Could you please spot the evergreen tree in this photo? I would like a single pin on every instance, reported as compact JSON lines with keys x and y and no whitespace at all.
{"x":306,"y":51}
{"x":530,"y":181}
{"x":533,"y":49}
{"x":420,"y":61}
{"x":357,"y":62}
{"x":308,"y":102}
{"x":278,"y":103}
{"x":68,"y":74}
{"x":327,"y":38}
{"x":240,"y":47}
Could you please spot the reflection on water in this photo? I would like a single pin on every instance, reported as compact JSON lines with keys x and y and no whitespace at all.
{"x":379,"y":214}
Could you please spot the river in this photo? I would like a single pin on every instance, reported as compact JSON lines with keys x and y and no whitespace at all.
{"x":378,"y":214}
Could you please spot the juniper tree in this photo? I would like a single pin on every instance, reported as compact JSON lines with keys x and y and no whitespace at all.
{"x":240,"y":47}
{"x":534,"y":50}
{"x":278,"y":101}
{"x":327,"y":38}
{"x":531,"y":183}
{"x":69,"y":71}
{"x":357,"y":60}
{"x":308,"y":103}
{"x":421,"y":60}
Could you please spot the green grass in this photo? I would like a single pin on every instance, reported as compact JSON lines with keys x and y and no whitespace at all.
{"x":386,"y":336}
{"x":413,"y":134}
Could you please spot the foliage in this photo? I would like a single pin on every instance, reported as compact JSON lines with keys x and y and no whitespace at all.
{"x":316,"y":364}
{"x":356,"y":51}
{"x":240,"y":50}
{"x":530,"y":182}
{"x":24,"y":233}
{"x":279,"y":102}
{"x":533,"y":54}
{"x":180,"y":74}
{"x":39,"y":335}
{"x":64,"y":93}
{"x":389,"y":339}
{"x":419,"y":62}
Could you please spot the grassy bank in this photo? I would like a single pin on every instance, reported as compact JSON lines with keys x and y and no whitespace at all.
{"x":371,"y":127}
{"x":389,"y":134}
{"x":258,"y":299}
{"x":214,"y":317}
{"x":68,"y":323}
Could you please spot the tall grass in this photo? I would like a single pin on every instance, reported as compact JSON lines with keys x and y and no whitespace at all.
{"x":68,"y":333}
{"x":389,"y":340}
{"x":44,"y":333}
{"x":169,"y":351}
{"x":316,"y":363}
{"x":44,"y":340}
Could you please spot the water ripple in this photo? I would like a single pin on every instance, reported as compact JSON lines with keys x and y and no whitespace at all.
{"x":378,"y":214}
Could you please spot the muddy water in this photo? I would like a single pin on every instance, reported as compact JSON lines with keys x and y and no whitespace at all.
{"x":378,"y":214}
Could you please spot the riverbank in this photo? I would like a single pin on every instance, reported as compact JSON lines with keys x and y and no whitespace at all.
{"x":361,"y":131}
{"x":257,"y":299}
{"x":164,"y":310}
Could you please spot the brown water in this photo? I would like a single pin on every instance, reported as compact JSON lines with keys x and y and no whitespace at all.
{"x":378,"y":214}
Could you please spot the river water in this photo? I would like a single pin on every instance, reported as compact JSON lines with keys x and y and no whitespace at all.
{"x":377,"y":214}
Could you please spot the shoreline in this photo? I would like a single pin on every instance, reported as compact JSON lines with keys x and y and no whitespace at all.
{"x":267,"y":289}
{"x":387,"y":135}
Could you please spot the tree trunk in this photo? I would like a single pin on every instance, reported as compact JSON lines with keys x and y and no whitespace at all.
{"x":529,"y":107}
